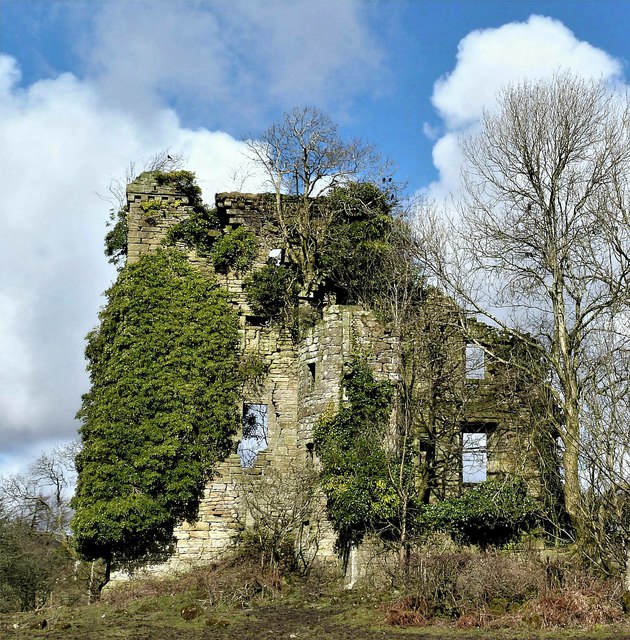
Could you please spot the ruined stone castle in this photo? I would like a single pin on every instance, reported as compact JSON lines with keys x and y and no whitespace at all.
{"x":495,"y":430}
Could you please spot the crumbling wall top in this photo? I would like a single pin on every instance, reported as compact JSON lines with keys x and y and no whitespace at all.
{"x":147,"y":184}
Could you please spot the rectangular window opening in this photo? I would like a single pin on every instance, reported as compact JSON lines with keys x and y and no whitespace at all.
{"x":474,"y":457}
{"x":255,"y":433}
{"x":311,"y":371}
{"x":475,"y":362}
{"x":275,"y":256}
{"x":255,"y":321}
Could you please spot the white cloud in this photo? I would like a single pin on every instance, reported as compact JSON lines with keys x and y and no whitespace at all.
{"x":232,"y":62}
{"x":60,"y":145}
{"x":490,"y":59}
{"x":64,"y":139}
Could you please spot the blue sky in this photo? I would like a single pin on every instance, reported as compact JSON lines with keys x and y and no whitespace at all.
{"x":86,"y":88}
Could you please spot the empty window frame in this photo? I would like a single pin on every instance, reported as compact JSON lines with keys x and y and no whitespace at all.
{"x":255,"y":433}
{"x":275,"y":256}
{"x":474,"y":457}
{"x":311,"y":372}
{"x":475,"y":362}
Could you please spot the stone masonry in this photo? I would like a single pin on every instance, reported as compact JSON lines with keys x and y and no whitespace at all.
{"x":302,"y":381}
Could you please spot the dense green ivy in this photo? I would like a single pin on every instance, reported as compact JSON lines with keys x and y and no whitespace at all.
{"x":116,"y":237}
{"x":354,"y":476}
{"x":272,"y":290}
{"x":359,"y":241}
{"x":164,"y":368}
{"x":494,"y":512}
{"x":236,"y":250}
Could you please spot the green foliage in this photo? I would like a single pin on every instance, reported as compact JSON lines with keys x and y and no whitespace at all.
{"x":494,"y":512}
{"x":235,"y":250}
{"x":354,"y":473}
{"x":116,"y":237}
{"x":200,"y":228}
{"x":272,"y":290}
{"x":151,"y":206}
{"x":253,"y":370}
{"x":360,"y":240}
{"x":198,"y":231}
{"x":161,"y":409}
{"x":182,"y":181}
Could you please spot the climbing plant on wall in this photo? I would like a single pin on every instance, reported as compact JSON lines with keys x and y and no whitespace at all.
{"x":354,"y":462}
{"x":164,"y":371}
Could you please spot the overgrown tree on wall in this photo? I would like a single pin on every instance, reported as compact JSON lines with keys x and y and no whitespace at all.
{"x":161,"y":410}
{"x":304,"y":156}
{"x":544,"y":242}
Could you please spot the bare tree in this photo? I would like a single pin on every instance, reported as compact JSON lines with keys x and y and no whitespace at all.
{"x":284,"y":517}
{"x":544,"y":237}
{"x":304,"y":156}
{"x":40,"y":499}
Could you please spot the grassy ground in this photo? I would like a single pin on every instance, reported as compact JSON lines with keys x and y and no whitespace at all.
{"x":341,"y":616}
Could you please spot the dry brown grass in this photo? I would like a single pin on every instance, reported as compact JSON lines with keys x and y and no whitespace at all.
{"x":499,"y":590}
{"x":238,"y":580}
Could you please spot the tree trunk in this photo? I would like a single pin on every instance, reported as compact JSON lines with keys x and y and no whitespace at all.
{"x":572,"y":490}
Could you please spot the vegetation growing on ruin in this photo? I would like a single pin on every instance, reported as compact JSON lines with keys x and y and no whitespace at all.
{"x":494,"y":512}
{"x":161,"y":410}
{"x":366,"y":475}
{"x":272,"y":291}
{"x":184,"y":182}
{"x":353,"y":258}
{"x":354,"y":462}
{"x":116,"y":237}
{"x":234,"y":250}
{"x":197,"y":231}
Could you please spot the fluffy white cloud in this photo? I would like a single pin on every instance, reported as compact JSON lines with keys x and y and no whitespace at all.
{"x":64,"y":139}
{"x":61,"y":145}
{"x":490,"y":59}
{"x":230,"y":63}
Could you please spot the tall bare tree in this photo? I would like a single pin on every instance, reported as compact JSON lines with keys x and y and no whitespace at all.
{"x":544,"y":239}
{"x":40,"y":499}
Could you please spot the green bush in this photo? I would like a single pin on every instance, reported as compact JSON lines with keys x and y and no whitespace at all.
{"x":183,"y":181}
{"x":198,"y":231}
{"x":494,"y":512}
{"x":271,"y":291}
{"x":234,"y":250}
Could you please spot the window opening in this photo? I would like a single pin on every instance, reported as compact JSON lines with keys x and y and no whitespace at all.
{"x":311,"y":371}
{"x":255,"y":432}
{"x":474,"y":457}
{"x":275,"y":256}
{"x":255,"y":321}
{"x":475,"y":362}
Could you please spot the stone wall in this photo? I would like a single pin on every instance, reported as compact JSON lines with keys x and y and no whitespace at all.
{"x":303,"y":380}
